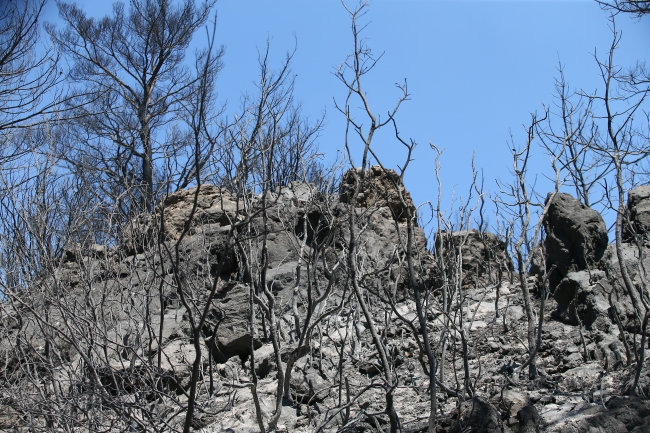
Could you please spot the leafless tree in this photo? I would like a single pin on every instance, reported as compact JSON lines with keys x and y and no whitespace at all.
{"x":567,"y":132}
{"x":30,"y":75}
{"x":257,"y":158}
{"x":623,"y":144}
{"x":132,"y":85}
{"x":112,"y":309}
{"x":522,"y":202}
{"x":635,"y":7}
{"x":270,"y":116}
{"x":359,"y":63}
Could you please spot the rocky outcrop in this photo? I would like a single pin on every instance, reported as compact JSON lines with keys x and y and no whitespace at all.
{"x":588,"y":299}
{"x":380,"y":187}
{"x":634,"y":265}
{"x":576,"y":237}
{"x":130,"y":317}
{"x":214,"y":206}
{"x":638,"y":206}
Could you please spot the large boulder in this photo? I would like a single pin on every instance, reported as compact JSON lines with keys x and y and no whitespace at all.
{"x":380,"y":187}
{"x":576,"y":237}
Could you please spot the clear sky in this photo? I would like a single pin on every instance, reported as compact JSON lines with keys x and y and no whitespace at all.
{"x":475,"y":69}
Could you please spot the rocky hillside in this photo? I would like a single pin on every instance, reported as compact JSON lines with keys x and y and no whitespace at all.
{"x":244,"y":312}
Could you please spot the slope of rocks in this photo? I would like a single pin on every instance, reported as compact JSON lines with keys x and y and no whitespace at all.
{"x":128,"y":300}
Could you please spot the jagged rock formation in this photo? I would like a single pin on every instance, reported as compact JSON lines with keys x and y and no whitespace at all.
{"x":592,"y":296}
{"x":118,"y":331}
{"x":378,"y":188}
{"x":587,"y":298}
{"x":638,"y":205}
{"x":576,"y":237}
{"x":585,"y":294}
{"x":214,"y":207}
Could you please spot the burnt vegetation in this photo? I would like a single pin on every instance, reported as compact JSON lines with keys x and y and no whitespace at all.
{"x":166,"y":267}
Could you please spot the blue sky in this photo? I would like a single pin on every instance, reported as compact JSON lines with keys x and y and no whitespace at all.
{"x":475,"y":69}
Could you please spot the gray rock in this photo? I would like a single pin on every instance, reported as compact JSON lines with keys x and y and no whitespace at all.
{"x":214,"y":206}
{"x":378,"y":189}
{"x":511,"y":402}
{"x":265,"y":360}
{"x":623,"y":414}
{"x":582,"y":298}
{"x":576,"y":237}
{"x":282,"y":280}
{"x":484,"y":256}
{"x":205,"y":248}
{"x":232,"y":336}
{"x":613,"y":353}
{"x":297,"y":193}
{"x":638,"y":205}
{"x":378,"y":243}
{"x":582,"y":378}
{"x":308,"y":386}
{"x":573,"y":360}
{"x":177,"y":359}
{"x":529,"y":419}
{"x":479,"y":416}
{"x":620,"y":298}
